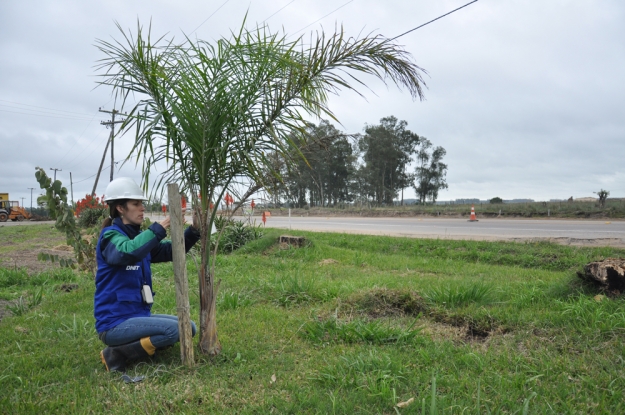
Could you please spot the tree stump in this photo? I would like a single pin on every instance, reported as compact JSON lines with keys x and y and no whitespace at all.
{"x":608,"y":274}
{"x":292,"y":240}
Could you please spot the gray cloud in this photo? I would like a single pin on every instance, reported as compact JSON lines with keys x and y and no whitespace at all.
{"x":527,"y":97}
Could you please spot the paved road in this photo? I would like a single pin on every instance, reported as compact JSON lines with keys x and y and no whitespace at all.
{"x":564,"y":231}
{"x":575,"y":232}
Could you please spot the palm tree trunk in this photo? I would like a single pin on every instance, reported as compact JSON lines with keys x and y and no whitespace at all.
{"x":209,"y":342}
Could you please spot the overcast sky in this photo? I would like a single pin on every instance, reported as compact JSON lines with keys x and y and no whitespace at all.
{"x":526,"y":96}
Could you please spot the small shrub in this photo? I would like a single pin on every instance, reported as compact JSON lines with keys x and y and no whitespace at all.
{"x":92,"y":217}
{"x":62,"y":212}
{"x":223,"y":222}
{"x":90,"y":211}
{"x":236,"y":234}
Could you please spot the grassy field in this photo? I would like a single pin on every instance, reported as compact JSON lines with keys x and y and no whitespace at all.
{"x":613,"y":209}
{"x":346,"y":324}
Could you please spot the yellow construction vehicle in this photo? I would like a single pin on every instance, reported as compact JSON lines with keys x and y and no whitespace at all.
{"x":12,"y":210}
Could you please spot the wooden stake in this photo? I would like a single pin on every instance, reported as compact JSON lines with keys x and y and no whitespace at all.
{"x":180,"y":275}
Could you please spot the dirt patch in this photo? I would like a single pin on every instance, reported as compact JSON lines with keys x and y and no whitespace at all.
{"x":596,"y":242}
{"x":384,"y":302}
{"x":67,"y":287}
{"x":28,"y":259}
{"x":476,"y":333}
{"x":328,"y":261}
{"x":462,"y":333}
{"x":475,"y":329}
{"x":24,"y":252}
{"x":63,"y":248}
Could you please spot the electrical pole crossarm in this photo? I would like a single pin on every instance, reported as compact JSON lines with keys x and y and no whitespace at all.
{"x":111,"y":123}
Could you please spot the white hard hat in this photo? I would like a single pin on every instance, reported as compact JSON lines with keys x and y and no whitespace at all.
{"x":123,"y":188}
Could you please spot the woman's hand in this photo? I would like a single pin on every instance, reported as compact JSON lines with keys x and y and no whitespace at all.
{"x":165,"y":222}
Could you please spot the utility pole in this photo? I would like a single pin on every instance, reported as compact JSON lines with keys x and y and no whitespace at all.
{"x":71,"y":186}
{"x":55,"y":170}
{"x":97,"y":177}
{"x":108,"y":124}
{"x":31,"y":196}
{"x":22,"y":205}
{"x":111,"y":123}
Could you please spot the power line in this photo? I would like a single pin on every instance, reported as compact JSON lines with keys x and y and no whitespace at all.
{"x":209,"y":17}
{"x":80,"y":136}
{"x":282,"y":8}
{"x":433,"y":20}
{"x":45,"y":108}
{"x":60,"y":116}
{"x":95,"y":140}
{"x":340,"y":7}
{"x":83,"y":180}
{"x":103,"y":169}
{"x":76,"y":141}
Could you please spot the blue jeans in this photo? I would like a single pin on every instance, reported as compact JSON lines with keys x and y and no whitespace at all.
{"x":162,"y":329}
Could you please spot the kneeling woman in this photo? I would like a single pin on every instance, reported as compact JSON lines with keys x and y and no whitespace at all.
{"x":123,"y":295}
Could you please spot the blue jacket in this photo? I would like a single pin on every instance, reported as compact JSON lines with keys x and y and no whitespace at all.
{"x":123,"y":256}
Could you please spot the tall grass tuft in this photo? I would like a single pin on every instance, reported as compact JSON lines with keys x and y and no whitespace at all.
{"x":458,"y":296}
{"x":293,"y":291}
{"x":13,"y":277}
{"x":233,"y":300}
{"x":357,"y":331}
{"x":591,"y":314}
{"x":374,"y":372}
{"x":23,"y":305}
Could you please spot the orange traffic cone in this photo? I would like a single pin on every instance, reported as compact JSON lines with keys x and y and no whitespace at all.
{"x":473,"y":218}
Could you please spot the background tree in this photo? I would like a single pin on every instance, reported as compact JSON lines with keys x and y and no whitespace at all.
{"x":386,"y":150}
{"x":326,"y":169}
{"x":603,"y":196}
{"x":495,"y":200}
{"x":275,"y":169}
{"x":213,"y":112}
{"x":430,"y":172}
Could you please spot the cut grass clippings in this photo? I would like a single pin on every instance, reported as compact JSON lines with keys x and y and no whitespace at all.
{"x":344,"y":324}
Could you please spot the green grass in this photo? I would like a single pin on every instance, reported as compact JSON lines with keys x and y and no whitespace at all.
{"x":613,"y":209}
{"x":15,"y":238}
{"x":461,"y":327}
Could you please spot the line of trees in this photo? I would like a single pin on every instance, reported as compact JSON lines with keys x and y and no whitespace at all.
{"x":370,"y":168}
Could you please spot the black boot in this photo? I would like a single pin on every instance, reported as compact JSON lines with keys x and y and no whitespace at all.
{"x":115,"y":357}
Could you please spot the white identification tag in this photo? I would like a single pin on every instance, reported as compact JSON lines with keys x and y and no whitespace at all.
{"x":146,"y":293}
